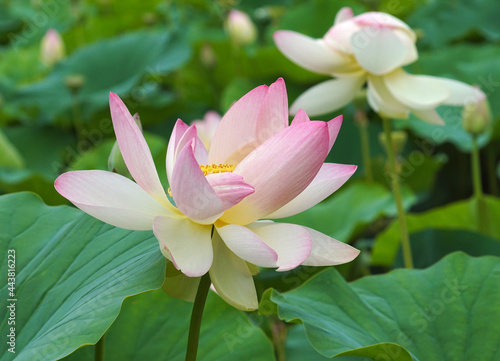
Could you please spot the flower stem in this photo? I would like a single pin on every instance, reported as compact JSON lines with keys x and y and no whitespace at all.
{"x":196,"y":316}
{"x":478,"y":189}
{"x":491,"y":159}
{"x":396,"y":190}
{"x":77,"y":117}
{"x":99,"y":349}
{"x":362,"y":123}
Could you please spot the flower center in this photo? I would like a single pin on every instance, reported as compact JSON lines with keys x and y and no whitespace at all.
{"x":216,"y":168}
{"x":211,"y":169}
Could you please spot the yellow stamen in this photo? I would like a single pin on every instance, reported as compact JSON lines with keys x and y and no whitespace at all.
{"x":169,"y":191}
{"x":216,"y":168}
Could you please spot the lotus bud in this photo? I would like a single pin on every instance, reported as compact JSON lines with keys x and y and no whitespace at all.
{"x":52,"y":47}
{"x":398,"y":140}
{"x":207,"y":56}
{"x":74,"y":82}
{"x":476,"y":116}
{"x":240,"y":27}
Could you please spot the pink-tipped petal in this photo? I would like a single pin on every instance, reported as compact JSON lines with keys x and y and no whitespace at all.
{"x":238,"y":126}
{"x":338,"y":37}
{"x":191,"y":191}
{"x":429,"y":116}
{"x":327,"y":251}
{"x":461,"y":93}
{"x":179,"y":129}
{"x":333,"y":125}
{"x":382,"y":101}
{"x":333,"y":130}
{"x":273,"y":115}
{"x":189,"y":244}
{"x":343,"y":14}
{"x":230,"y":188}
{"x":111,"y":198}
{"x":328,"y":96}
{"x":330,"y":178}
{"x":247,"y":245}
{"x":232,"y":278}
{"x":279,"y":169}
{"x":135,"y":150}
{"x":292,"y":243}
{"x":311,"y":54}
{"x":378,"y":50}
{"x":300,"y":117}
{"x":420,"y":92}
{"x":381,"y":19}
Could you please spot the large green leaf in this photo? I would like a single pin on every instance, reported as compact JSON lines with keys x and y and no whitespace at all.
{"x":298,"y":348}
{"x":445,"y":21}
{"x":42,"y":151}
{"x":459,"y":215}
{"x":109,"y":65}
{"x":447,"y":312}
{"x":153,"y":326}
{"x":72,"y":274}
{"x":350,"y":209}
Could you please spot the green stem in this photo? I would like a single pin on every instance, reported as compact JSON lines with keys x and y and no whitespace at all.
{"x":492,"y":181}
{"x":99,"y":349}
{"x":478,"y":189}
{"x":77,"y":117}
{"x":362,"y":123}
{"x":196,"y":316}
{"x":396,"y":190}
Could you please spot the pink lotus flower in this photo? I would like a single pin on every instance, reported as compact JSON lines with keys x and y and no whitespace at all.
{"x":370,"y":48}
{"x":52,"y":47}
{"x":258,"y":167}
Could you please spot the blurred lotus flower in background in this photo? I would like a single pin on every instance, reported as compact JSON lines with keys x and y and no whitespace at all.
{"x":477,"y":117}
{"x":258,"y":167}
{"x":240,"y":28}
{"x":52,"y":47}
{"x":207,"y":126}
{"x":370,"y":48}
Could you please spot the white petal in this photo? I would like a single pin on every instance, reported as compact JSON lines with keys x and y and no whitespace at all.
{"x":330,"y":178}
{"x":328,"y":96}
{"x":110,"y":197}
{"x":188,"y":244}
{"x":429,"y":116}
{"x":232,"y":278}
{"x":311,"y":54}
{"x":327,"y":251}
{"x":378,"y":50}
{"x":247,"y":245}
{"x":292,"y":243}
{"x":416,"y":91}
{"x":382,"y":101}
{"x":461,"y":93}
